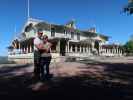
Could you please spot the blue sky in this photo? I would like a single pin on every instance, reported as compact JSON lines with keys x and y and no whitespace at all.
{"x":105,"y":15}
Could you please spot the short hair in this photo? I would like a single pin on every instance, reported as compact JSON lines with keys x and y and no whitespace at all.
{"x":39,"y":31}
{"x":45,"y":36}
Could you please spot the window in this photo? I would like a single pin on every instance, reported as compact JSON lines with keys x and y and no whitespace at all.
{"x":81,"y":48}
{"x":78,"y":36}
{"x":72,"y":35}
{"x":73,"y":48}
{"x":52,"y":32}
{"x":78,"y":48}
{"x":65,"y":32}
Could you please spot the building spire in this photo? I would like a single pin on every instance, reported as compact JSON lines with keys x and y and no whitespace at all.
{"x":14,"y":37}
{"x":28,"y":15}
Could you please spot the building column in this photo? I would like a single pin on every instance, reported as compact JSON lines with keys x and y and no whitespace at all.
{"x":103,"y":51}
{"x":87,"y":49}
{"x":92,"y":45}
{"x":24,"y":49}
{"x":99,"y":48}
{"x":120,"y":52}
{"x":107,"y":51}
{"x":80,"y":49}
{"x":83,"y":49}
{"x":68,"y":47}
{"x":15,"y":45}
{"x":113,"y":51}
{"x":116,"y":51}
{"x":58,"y":47}
{"x":71,"y":48}
{"x":27,"y":49}
{"x":30,"y":48}
{"x":19,"y":48}
{"x":76,"y":48}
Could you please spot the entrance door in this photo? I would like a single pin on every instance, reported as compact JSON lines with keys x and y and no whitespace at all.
{"x":62,"y":47}
{"x":96,"y":46}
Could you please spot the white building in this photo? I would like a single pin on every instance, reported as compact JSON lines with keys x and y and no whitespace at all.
{"x":66,"y":40}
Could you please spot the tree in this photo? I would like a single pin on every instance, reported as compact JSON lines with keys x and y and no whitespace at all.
{"x":10,"y":48}
{"x":129,"y":7}
{"x":129,"y":47}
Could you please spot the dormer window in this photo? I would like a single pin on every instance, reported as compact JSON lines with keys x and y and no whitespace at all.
{"x":78,"y":36}
{"x":65,"y":32}
{"x":28,"y":27}
{"x":72,"y":35}
{"x":52,"y":32}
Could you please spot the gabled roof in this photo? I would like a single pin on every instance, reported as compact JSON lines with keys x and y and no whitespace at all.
{"x":58,"y":28}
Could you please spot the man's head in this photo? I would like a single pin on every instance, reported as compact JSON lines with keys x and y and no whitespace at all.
{"x":39,"y":34}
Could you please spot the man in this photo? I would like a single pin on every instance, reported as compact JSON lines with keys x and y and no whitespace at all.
{"x":45,"y":57}
{"x":37,"y":47}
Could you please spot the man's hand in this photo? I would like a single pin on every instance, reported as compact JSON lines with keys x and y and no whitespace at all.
{"x":44,"y":47}
{"x":41,"y":47}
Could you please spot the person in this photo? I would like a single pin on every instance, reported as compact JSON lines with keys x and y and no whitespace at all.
{"x":45,"y":57}
{"x":37,"y":48}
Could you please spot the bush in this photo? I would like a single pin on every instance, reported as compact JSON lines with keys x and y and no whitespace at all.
{"x":4,"y":60}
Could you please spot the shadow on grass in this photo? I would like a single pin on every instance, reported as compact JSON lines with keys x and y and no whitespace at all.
{"x":116,"y":77}
{"x":6,"y":70}
{"x":81,"y":87}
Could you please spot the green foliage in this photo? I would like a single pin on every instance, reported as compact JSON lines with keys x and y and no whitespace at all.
{"x":4,"y":60}
{"x":106,"y":38}
{"x":129,"y":8}
{"x":129,"y":47}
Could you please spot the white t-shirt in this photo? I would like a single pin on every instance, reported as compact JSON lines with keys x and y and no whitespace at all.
{"x":37,"y":41}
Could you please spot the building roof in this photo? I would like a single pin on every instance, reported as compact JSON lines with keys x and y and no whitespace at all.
{"x":41,"y":24}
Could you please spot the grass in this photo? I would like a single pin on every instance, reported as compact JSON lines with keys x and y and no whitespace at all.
{"x":4,"y":60}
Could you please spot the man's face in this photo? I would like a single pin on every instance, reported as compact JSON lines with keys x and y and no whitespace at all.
{"x":40,"y":35}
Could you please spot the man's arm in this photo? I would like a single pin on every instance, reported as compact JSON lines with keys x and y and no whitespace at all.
{"x":40,"y":47}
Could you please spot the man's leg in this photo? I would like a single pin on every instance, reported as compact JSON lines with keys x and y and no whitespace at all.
{"x":42,"y":67}
{"x":36,"y":65}
{"x":36,"y":70}
{"x":48,"y":59}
